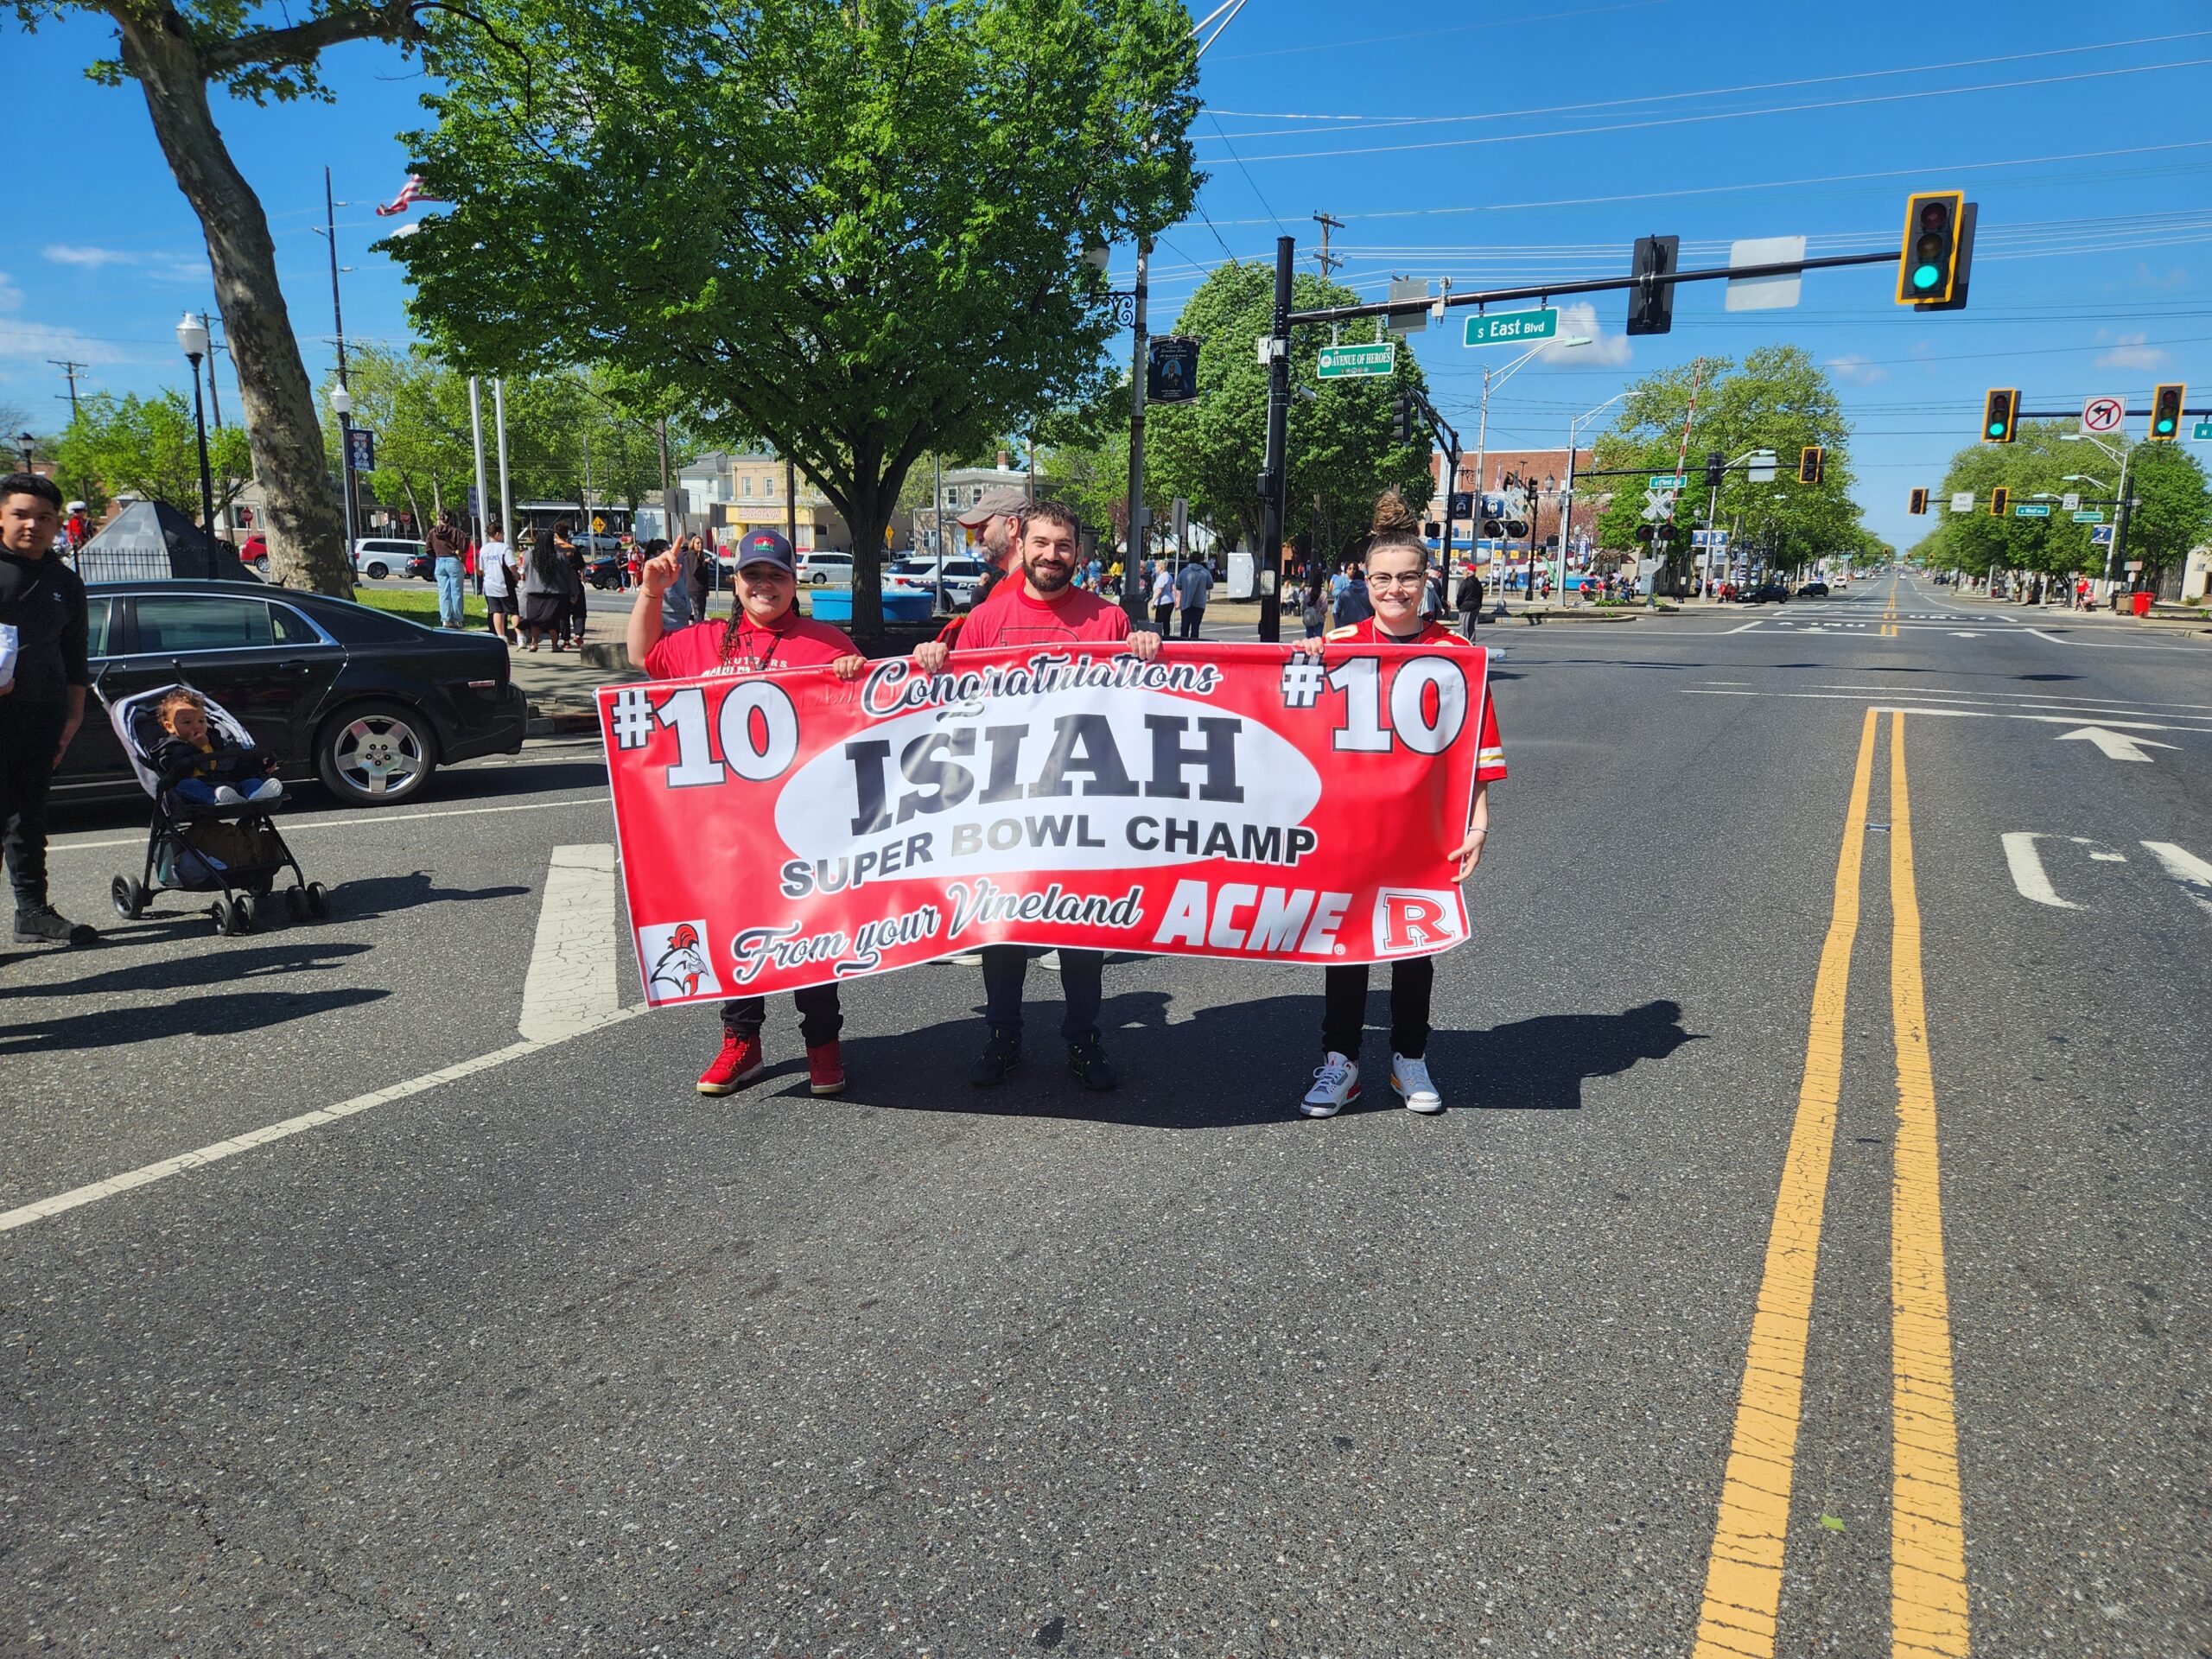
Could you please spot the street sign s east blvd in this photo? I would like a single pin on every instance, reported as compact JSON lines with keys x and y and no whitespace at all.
{"x":1512,"y":327}
{"x":1358,"y":362}
{"x":2036,"y":510}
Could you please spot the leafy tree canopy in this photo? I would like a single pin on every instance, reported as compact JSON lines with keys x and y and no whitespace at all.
{"x":1210,"y":451}
{"x":856,"y":231}
{"x":148,"y":447}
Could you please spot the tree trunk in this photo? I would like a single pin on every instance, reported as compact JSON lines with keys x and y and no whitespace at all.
{"x":305,"y":542}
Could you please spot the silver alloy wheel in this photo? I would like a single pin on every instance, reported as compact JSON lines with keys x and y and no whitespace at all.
{"x":379,"y":753}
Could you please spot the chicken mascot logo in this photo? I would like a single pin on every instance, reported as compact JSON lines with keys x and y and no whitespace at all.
{"x":679,"y":967}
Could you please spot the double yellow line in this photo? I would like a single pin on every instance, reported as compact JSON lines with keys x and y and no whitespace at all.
{"x":1890,"y":615}
{"x":1928,"y":1591}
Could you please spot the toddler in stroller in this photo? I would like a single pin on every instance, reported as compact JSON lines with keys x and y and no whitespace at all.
{"x":205,"y":766}
{"x":213,"y":793}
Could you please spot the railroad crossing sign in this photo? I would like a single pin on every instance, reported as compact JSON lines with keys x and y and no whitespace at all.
{"x":1658,"y":506}
{"x":2103,"y":415}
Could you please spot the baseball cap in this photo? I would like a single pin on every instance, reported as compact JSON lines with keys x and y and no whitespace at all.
{"x":994,"y":503}
{"x":766,"y":547}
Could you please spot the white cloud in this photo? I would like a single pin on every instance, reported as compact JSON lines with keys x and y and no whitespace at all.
{"x":38,"y":340}
{"x":160,"y":267}
{"x":1581,"y":318}
{"x":2133,"y":352}
{"x":64,"y":254}
{"x":1857,"y":369}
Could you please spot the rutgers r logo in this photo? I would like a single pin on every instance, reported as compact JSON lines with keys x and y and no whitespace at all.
{"x":1408,"y":920}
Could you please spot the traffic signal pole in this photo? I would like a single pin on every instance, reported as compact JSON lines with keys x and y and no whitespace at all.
{"x":1274,"y":482}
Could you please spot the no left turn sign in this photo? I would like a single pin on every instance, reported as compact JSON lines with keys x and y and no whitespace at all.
{"x":2104,"y":415}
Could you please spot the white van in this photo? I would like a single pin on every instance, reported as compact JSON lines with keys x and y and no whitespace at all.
{"x":826,"y":569}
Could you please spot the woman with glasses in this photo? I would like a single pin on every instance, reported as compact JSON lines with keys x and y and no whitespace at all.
{"x":1397,"y":583}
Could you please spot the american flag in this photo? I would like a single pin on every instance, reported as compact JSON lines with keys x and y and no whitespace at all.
{"x":409,"y":194}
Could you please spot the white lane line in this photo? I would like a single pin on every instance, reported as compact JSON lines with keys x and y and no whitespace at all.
{"x":2106,"y":645}
{"x":2053,"y":699}
{"x":2186,"y":868}
{"x":2027,"y":871}
{"x":1745,"y":628}
{"x":571,"y":1022}
{"x":571,"y":978}
{"x":351,"y":820}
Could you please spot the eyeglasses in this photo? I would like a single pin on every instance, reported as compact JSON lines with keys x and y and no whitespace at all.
{"x":1397,"y":579}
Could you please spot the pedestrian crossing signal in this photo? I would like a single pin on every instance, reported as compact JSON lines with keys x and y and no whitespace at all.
{"x":1810,"y":463}
{"x":2000,"y":501}
{"x":2166,"y":412}
{"x":1920,"y":501}
{"x":1928,"y":263}
{"x":2000,"y":414}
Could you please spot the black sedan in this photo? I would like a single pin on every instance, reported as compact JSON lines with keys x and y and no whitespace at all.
{"x":1814,"y":590}
{"x":369,"y":702}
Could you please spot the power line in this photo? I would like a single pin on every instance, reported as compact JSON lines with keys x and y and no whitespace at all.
{"x":70,"y":369}
{"x":1249,"y":179}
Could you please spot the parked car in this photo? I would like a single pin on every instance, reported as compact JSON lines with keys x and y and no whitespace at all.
{"x":369,"y":702}
{"x":962,"y":578}
{"x":603,"y":570}
{"x":378,"y":557}
{"x":1814,"y":590}
{"x":822,"y":570}
{"x":1772,"y":591}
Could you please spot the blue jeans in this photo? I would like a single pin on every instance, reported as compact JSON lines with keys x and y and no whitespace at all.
{"x":201,"y":792}
{"x":1082,"y":975}
{"x":450,"y":612}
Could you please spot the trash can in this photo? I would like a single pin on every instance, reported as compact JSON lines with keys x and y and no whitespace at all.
{"x":2143,"y":603}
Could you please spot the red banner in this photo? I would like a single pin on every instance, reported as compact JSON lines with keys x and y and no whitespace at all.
{"x":790,"y":829}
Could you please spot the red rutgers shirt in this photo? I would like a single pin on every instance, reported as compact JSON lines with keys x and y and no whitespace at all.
{"x":1021,"y":618}
{"x":1490,"y":757}
{"x":704,"y":648}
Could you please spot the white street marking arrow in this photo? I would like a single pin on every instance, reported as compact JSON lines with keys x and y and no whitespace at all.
{"x":2117,"y":745}
{"x":2192,"y":872}
{"x":2028,"y":873}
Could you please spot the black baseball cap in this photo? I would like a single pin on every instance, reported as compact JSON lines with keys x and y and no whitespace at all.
{"x":766,"y":547}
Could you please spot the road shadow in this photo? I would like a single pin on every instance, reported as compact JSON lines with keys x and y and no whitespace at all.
{"x":380,"y":895}
{"x":1541,"y":1064}
{"x":180,"y":972}
{"x":1241,"y":1064}
{"x":221,"y":1014}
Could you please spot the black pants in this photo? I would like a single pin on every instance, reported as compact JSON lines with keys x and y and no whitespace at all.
{"x":820,"y":1018}
{"x":1344,"y":1007}
{"x":1192,"y":618}
{"x":1082,"y":978}
{"x":1162,"y":615}
{"x":28,"y":737}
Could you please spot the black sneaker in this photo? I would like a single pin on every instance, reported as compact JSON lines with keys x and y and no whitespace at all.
{"x":44,"y":926}
{"x":1088,"y":1063}
{"x":1000,"y":1055}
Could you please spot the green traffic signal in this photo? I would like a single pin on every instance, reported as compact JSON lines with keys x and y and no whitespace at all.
{"x":1997,"y":428}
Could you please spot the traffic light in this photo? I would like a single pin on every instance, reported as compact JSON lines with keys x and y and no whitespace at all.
{"x":1811,"y":460}
{"x":1920,"y":501}
{"x":1715,"y":464}
{"x":2000,"y":501}
{"x":1651,"y":305}
{"x":2166,"y":413}
{"x":1401,"y":419}
{"x":2000,"y":414}
{"x":1928,"y":263}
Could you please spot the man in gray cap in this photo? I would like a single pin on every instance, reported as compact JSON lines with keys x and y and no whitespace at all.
{"x":997,"y":520}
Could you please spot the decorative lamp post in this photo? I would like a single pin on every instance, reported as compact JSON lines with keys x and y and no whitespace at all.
{"x":342,"y":404}
{"x":192,"y":340}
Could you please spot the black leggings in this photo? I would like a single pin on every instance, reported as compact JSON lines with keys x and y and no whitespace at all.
{"x":1344,"y":1007}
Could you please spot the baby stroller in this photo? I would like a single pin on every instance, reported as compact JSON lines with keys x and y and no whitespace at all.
{"x":181,"y":846}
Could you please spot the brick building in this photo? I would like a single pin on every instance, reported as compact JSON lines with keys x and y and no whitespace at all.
{"x":1540,"y":471}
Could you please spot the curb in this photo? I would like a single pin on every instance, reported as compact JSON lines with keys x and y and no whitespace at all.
{"x":544,"y":725}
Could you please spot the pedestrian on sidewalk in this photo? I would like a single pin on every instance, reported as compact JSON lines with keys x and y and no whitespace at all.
{"x":765,"y":631}
{"x":572,"y":609}
{"x":1042,"y":607}
{"x":1352,"y":604}
{"x":1397,"y":571}
{"x":43,"y":676}
{"x":1310,"y":613}
{"x":701,"y":574}
{"x":1470,"y":604}
{"x":447,"y":544}
{"x":1193,"y":584}
{"x":544,"y":590}
{"x":1163,"y":596}
{"x":495,"y":575}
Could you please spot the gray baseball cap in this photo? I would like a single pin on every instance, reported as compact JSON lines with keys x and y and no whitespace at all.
{"x":993,"y":503}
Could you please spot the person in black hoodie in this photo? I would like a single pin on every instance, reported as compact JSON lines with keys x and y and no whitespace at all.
{"x":43,"y":638}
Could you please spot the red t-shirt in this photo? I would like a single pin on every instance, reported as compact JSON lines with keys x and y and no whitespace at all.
{"x":1021,"y":618}
{"x":1489,"y":756}
{"x":704,"y":648}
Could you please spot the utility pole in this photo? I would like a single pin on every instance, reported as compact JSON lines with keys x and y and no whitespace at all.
{"x":70,"y":370}
{"x":1133,"y":598}
{"x":1274,"y":482}
{"x":1327,"y":260}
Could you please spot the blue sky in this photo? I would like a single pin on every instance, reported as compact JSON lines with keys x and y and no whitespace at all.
{"x":1509,"y":144}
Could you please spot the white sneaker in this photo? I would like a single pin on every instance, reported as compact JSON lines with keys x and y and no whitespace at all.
{"x":1051,"y":960}
{"x":1415,"y":1086}
{"x":267,"y":790}
{"x":225,"y":796}
{"x":1336,"y":1080}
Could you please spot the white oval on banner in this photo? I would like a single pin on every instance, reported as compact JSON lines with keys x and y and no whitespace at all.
{"x":1148,"y":778}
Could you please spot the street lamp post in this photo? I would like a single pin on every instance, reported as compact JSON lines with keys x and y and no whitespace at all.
{"x":1567,"y":494}
{"x":191,"y":336}
{"x":1491,"y":380}
{"x":342,"y":404}
{"x":2125,"y":457}
{"x":26,"y":442}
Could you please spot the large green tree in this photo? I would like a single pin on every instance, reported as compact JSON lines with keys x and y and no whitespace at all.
{"x":854,"y":230}
{"x":1777,"y":398}
{"x":175,"y":50}
{"x":147,"y":447}
{"x":1210,"y":451}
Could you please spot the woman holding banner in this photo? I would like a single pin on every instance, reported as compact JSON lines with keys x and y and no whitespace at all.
{"x":764,"y":632}
{"x":1397,"y":584}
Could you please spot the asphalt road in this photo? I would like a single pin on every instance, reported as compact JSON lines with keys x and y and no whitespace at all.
{"x":549,"y":1355}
